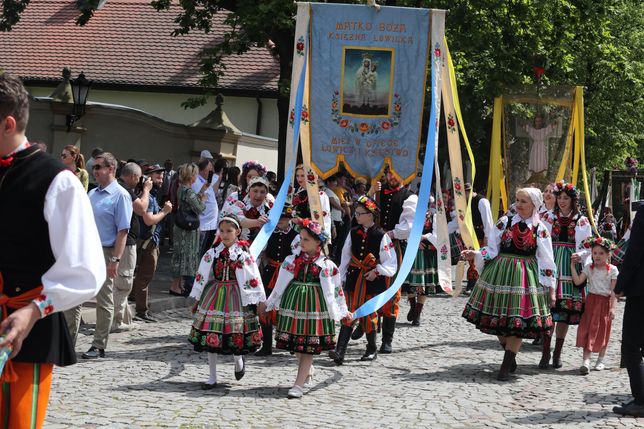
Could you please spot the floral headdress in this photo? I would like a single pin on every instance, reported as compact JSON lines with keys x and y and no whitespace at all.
{"x":598,"y":241}
{"x":287,"y":211}
{"x":369,"y":204}
{"x":570,"y":190}
{"x":254,"y":165}
{"x":314,"y":228}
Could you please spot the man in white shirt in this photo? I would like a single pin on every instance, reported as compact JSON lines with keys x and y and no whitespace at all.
{"x":50,"y":261}
{"x":210,"y":216}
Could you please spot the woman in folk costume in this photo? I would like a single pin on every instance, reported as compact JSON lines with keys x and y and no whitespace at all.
{"x":277,"y":249}
{"x":569,"y":229}
{"x":455,"y":240}
{"x":300,"y":201}
{"x":423,"y":278}
{"x":368,"y":263}
{"x":309,"y":300}
{"x":253,"y":209}
{"x":511,"y":298}
{"x":227,"y":287}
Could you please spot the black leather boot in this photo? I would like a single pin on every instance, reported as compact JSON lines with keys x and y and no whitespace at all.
{"x":341,"y":346}
{"x":504,"y":372}
{"x":556,"y":356}
{"x":372,"y":349}
{"x":419,"y":309}
{"x":545,"y":352}
{"x":388,"y":328}
{"x":267,"y":342}
{"x":411,"y":314}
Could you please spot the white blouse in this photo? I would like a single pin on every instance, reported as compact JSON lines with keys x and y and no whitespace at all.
{"x":544,"y":255}
{"x":600,"y":278}
{"x":248,"y":277}
{"x":403,"y":227}
{"x":237,"y":207}
{"x":329,"y":281}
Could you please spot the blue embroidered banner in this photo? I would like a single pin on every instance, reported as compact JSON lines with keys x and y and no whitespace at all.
{"x":368,"y":71}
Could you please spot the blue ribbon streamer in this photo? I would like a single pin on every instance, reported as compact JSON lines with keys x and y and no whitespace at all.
{"x":276,"y":211}
{"x":413,"y":242}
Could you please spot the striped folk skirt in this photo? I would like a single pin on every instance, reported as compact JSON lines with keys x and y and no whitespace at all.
{"x":570,"y":298}
{"x":222,"y":324}
{"x":303,"y":321}
{"x":424,"y":272}
{"x":508,"y":299}
{"x":620,"y":251}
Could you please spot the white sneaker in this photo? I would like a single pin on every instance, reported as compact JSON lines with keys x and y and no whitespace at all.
{"x":599,"y":366}
{"x":295,"y":392}
{"x":123,"y":327}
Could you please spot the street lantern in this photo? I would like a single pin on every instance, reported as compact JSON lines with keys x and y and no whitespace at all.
{"x":80,"y":91}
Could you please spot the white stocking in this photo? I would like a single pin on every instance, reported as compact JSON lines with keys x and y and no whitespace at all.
{"x":239,"y":363}
{"x":212,"y":363}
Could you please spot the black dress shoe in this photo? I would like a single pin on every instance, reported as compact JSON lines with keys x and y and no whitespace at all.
{"x":631,"y":409}
{"x":93,"y":353}
{"x":357,"y":333}
{"x":370,"y":354}
{"x":208,"y":386}
{"x":145,"y":317}
{"x":240,"y":374}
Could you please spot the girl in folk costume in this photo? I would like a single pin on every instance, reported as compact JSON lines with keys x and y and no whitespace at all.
{"x":368,"y":263}
{"x":549,"y":200}
{"x":596,"y":322}
{"x":250,"y":169}
{"x":510,"y":299}
{"x":277,"y":249}
{"x":568,"y":229}
{"x":423,"y":278}
{"x":300,"y":200}
{"x":455,"y":240}
{"x":227,"y":287}
{"x":309,"y":300}
{"x":253,"y":209}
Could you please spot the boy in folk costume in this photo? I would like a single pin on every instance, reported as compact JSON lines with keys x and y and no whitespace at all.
{"x":50,"y":260}
{"x":277,"y":249}
{"x":368,"y":263}
{"x":397,"y":210}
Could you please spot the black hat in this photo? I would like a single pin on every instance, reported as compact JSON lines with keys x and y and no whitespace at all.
{"x":154,"y":168}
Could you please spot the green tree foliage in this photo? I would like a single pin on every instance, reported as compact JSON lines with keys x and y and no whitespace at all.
{"x":494,"y":43}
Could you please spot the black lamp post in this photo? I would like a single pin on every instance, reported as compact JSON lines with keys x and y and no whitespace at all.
{"x":80,"y":91}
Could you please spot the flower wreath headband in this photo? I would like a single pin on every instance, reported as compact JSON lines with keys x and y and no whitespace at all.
{"x":369,"y":204}
{"x":607,"y":244}
{"x":314,"y":228}
{"x":254,"y":165}
{"x":570,"y":190}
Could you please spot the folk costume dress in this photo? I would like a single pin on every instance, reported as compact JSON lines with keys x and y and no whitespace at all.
{"x":594,"y":329}
{"x":424,"y":272}
{"x":366,"y":249}
{"x":244,"y":210}
{"x":620,"y":249}
{"x":511,"y":296}
{"x":277,"y":249}
{"x":227,"y":284}
{"x":568,"y":234}
{"x":309,"y":298}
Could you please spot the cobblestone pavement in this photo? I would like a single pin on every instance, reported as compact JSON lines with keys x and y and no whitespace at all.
{"x":442,"y":374}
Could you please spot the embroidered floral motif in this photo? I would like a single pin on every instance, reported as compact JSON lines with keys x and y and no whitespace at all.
{"x":288,"y":266}
{"x":362,"y":127}
{"x":451,"y":123}
{"x":44,"y":304}
{"x":299,"y":46}
{"x":546,"y":272}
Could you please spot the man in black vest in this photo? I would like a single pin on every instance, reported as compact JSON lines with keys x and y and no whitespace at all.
{"x":50,"y":260}
{"x":630,"y":283}
{"x":397,"y":210}
{"x":483,"y":226}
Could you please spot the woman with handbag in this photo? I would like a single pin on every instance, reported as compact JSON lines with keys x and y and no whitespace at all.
{"x":185,"y":258}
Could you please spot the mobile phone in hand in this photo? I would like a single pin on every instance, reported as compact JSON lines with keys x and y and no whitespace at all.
{"x":210,"y":174}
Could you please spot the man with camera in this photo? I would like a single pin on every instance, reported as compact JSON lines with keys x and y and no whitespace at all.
{"x":151,"y":224}
{"x":138,"y":186}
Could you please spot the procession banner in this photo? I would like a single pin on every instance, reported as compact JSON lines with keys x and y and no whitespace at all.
{"x":368,"y":71}
{"x":413,"y":243}
{"x":293,"y":131}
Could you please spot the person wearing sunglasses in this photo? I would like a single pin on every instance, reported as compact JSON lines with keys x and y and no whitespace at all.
{"x":75,"y":162}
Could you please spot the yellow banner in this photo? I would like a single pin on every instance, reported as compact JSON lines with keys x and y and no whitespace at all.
{"x":496,"y":162}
